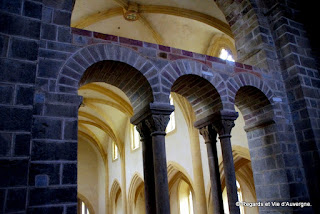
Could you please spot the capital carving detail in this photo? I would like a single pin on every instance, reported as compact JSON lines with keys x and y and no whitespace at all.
{"x":143,"y":130}
{"x":224,"y":127}
{"x":157,"y":123}
{"x":208,"y":133}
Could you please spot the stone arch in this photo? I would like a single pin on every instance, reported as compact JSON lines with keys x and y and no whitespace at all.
{"x":94,"y":56}
{"x":136,"y":185}
{"x":254,"y":105}
{"x":247,"y":79}
{"x":175,"y":172}
{"x":86,"y":201}
{"x":115,"y":191}
{"x":176,"y":175}
{"x":196,"y":82}
{"x":265,"y":146}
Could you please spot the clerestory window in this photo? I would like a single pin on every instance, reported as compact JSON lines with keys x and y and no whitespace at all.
{"x":82,"y":207}
{"x":226,"y":55}
{"x":172,"y":122}
{"x":135,"y":138}
{"x":115,"y":151}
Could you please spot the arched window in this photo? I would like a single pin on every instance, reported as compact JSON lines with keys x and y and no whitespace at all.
{"x":135,"y":138}
{"x":83,"y":208}
{"x":115,"y":151}
{"x":225,"y":199}
{"x":172,"y":123}
{"x":185,"y":198}
{"x":226,"y":55}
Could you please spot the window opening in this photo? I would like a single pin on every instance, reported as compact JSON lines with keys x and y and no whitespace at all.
{"x":172,"y":123}
{"x":135,"y":138}
{"x":226,"y":55}
{"x":115,"y":151}
{"x":83,"y":207}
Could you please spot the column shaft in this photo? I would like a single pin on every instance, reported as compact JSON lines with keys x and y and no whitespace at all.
{"x":230,"y":174}
{"x":160,"y":174}
{"x":210,"y":135}
{"x":216,"y":192}
{"x":148,"y":172}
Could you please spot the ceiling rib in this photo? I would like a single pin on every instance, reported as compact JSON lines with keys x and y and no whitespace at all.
{"x":168,"y":10}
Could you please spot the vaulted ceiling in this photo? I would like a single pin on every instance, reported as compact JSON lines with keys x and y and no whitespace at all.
{"x":193,"y":25}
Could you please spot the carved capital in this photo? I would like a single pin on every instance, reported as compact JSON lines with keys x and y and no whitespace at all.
{"x":143,"y":130}
{"x":224,"y":127}
{"x":208,"y":133}
{"x":157,"y":123}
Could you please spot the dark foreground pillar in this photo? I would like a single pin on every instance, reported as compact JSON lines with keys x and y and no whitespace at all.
{"x":223,"y":127}
{"x":154,"y":120}
{"x":210,"y":135}
{"x":148,"y":170}
{"x":220,"y":122}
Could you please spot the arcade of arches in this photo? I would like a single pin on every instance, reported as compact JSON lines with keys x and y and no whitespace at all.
{"x":157,"y":107}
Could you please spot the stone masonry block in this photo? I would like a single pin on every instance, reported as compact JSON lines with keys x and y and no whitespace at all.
{"x":62,"y":4}
{"x":69,"y":173}
{"x":49,"y":68}
{"x":5,"y":142}
{"x":24,"y":95}
{"x":17,"y":119}
{"x":64,"y":34}
{"x":47,"y":14}
{"x":24,"y":72}
{"x":45,"y":210}
{"x":50,"y":151}
{"x":16,"y":172}
{"x":2,"y":198}
{"x":3,"y":45}
{"x":32,"y":9}
{"x":6,"y":93}
{"x":48,"y":31}
{"x":51,"y":170}
{"x":72,"y":209}
{"x":22,"y":145}
{"x":62,"y":47}
{"x":46,"y":128}
{"x":71,"y":130}
{"x":51,"y":54}
{"x":16,"y":200}
{"x":56,"y":195}
{"x":20,"y":26}
{"x":11,"y":6}
{"x":61,"y":17}
{"x":61,"y":110}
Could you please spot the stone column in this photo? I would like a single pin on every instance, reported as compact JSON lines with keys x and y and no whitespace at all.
{"x":158,"y":124}
{"x":222,"y":122}
{"x":223,"y":126}
{"x":156,"y":118}
{"x":210,"y":135}
{"x":148,"y":170}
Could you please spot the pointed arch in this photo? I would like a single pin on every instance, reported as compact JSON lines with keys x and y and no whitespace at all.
{"x":136,"y":186}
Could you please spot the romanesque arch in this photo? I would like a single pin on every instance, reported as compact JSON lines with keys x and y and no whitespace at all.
{"x":69,"y":76}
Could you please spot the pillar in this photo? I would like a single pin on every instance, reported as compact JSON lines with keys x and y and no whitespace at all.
{"x":148,"y":170}
{"x":153,"y":121}
{"x":210,"y":135}
{"x":223,"y":127}
{"x":220,"y":122}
